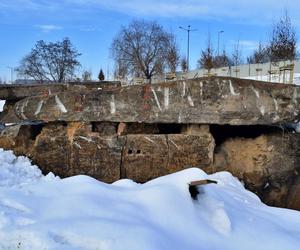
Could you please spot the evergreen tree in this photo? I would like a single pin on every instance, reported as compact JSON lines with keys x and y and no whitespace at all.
{"x":101,"y":76}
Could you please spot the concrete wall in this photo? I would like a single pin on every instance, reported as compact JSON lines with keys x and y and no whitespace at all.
{"x":250,"y":71}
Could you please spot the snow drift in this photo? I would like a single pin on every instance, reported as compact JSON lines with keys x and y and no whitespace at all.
{"x":45,"y":212}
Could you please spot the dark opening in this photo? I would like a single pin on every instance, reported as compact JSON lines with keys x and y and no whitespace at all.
{"x":138,"y":151}
{"x":169,"y":128}
{"x":35,"y":130}
{"x":222,"y":132}
{"x":139,"y":128}
{"x":94,"y":127}
{"x":65,"y":124}
{"x":130,"y":151}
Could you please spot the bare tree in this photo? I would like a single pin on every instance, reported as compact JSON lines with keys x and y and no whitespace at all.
{"x":183,"y":64}
{"x":50,"y":61}
{"x":237,"y":54}
{"x":222,"y":60}
{"x":283,"y":41}
{"x":260,"y":55}
{"x":173,"y":56}
{"x":142,"y":48}
{"x":120,"y":69}
{"x":206,"y":60}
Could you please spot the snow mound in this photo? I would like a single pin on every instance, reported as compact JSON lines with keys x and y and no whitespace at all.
{"x":18,"y":171}
{"x":82,"y":213}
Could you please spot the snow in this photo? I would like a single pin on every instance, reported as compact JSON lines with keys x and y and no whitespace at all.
{"x":46,"y":212}
{"x":274,"y":79}
{"x":2,"y":102}
{"x":232,"y":89}
{"x":60,"y":105}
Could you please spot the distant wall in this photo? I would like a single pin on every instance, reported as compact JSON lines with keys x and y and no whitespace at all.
{"x":251,"y":71}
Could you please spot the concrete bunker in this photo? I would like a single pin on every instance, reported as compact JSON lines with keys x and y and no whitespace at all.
{"x":143,"y":132}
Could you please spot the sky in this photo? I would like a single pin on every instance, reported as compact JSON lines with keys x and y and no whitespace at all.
{"x":91,"y":25}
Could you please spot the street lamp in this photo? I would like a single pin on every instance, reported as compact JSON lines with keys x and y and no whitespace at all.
{"x":12,"y":69}
{"x":188,"y":44}
{"x":219,"y":33}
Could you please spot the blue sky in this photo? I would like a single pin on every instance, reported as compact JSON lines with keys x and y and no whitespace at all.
{"x":92,"y":24}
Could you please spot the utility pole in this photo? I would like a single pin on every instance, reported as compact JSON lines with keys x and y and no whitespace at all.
{"x":188,"y":44}
{"x":219,"y":33}
{"x":12,"y":69}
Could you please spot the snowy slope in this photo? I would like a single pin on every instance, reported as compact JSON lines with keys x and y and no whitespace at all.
{"x":45,"y":212}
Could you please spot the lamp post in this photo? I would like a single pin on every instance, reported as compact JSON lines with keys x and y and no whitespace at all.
{"x":11,"y":73}
{"x":219,"y":33}
{"x":188,"y":44}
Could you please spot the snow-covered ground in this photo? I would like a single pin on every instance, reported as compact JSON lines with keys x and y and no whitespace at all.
{"x":45,"y":212}
{"x":275,"y":78}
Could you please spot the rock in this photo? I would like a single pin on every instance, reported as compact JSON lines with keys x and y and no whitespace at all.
{"x":74,"y":148}
{"x":149,"y":156}
{"x":190,"y":151}
{"x":51,"y":150}
{"x":214,"y":100}
{"x":19,"y":91}
{"x":19,"y":138}
{"x":145,"y":157}
{"x":8,"y":114}
{"x":293,"y":200}
{"x":266,"y":164}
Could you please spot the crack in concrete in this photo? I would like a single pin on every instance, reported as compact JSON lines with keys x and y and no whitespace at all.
{"x":122,"y":168}
{"x":167,"y":141}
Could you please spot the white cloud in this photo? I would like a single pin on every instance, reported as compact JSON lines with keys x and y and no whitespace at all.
{"x":242,"y":10}
{"x":248,"y":44}
{"x":262,"y":12}
{"x":21,"y":5}
{"x":46,"y":28}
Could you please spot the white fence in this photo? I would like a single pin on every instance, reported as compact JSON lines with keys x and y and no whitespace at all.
{"x":284,"y":72}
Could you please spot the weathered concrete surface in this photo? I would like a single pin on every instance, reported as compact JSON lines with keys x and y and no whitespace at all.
{"x":74,"y":149}
{"x":149,"y":156}
{"x":269,"y":165}
{"x":20,"y":91}
{"x":142,"y":132}
{"x":17,"y":138}
{"x":8,"y":114}
{"x":198,"y":101}
{"x":293,"y":199}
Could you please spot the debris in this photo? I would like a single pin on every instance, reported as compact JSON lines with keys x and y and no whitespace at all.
{"x":193,"y":187}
